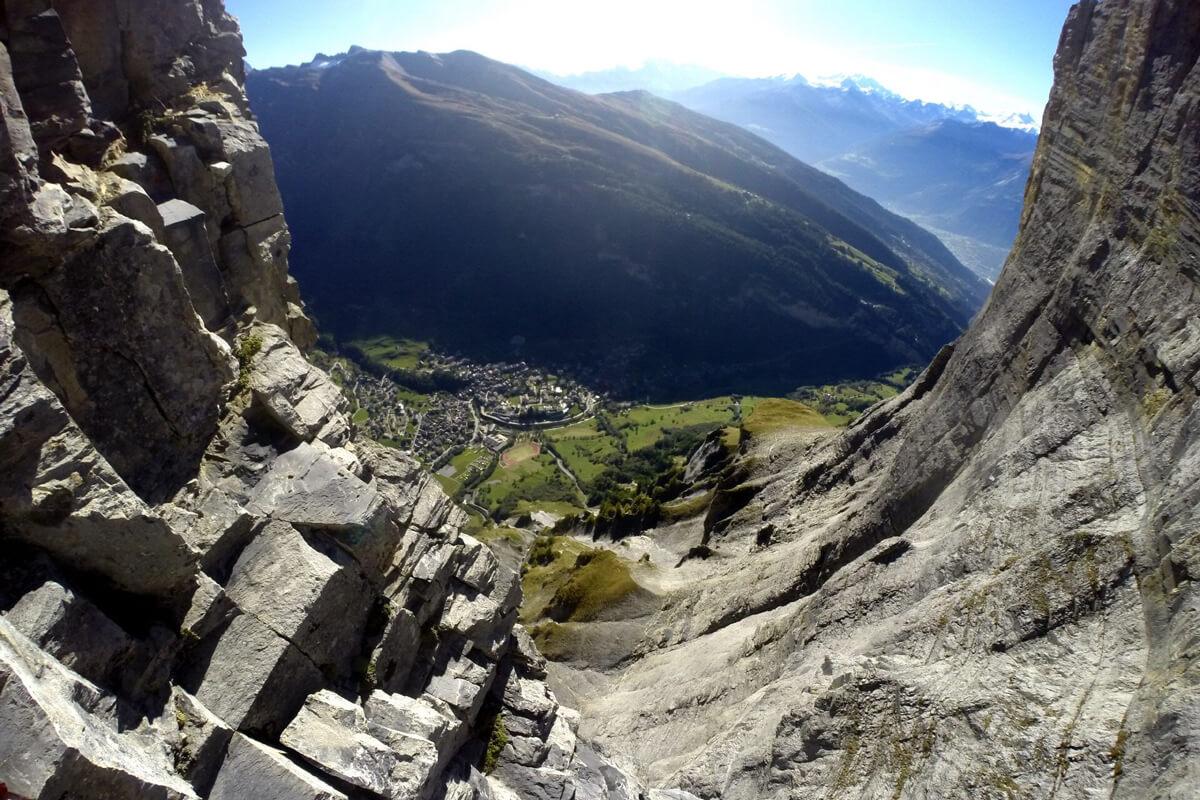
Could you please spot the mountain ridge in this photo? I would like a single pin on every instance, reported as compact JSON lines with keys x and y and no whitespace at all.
{"x":875,"y":140}
{"x":613,"y":192}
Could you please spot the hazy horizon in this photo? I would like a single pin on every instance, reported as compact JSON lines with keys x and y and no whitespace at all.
{"x":995,"y":57}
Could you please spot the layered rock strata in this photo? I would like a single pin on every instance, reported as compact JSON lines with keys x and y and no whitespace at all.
{"x":985,"y":587}
{"x":207,"y":589}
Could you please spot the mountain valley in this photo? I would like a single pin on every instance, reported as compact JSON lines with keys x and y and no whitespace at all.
{"x":953,"y":170}
{"x":636,"y":246}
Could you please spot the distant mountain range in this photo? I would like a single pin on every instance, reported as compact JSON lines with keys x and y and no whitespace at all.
{"x":648,"y":248}
{"x":952,"y":169}
{"x":878,"y":142}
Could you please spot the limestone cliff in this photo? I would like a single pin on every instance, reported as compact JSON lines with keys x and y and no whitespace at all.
{"x":985,"y":587}
{"x":207,"y":589}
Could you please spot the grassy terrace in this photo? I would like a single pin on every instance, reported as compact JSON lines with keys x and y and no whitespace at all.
{"x":642,"y":426}
{"x":773,"y":413}
{"x":394,"y":353}
{"x":843,"y":403}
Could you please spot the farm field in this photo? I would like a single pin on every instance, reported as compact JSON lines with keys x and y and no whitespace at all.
{"x":642,"y":426}
{"x":537,"y":482}
{"x":584,"y":447}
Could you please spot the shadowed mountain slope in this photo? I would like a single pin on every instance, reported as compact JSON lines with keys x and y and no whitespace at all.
{"x":653,"y":249}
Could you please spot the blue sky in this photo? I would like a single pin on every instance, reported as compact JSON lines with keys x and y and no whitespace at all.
{"x":994,"y":55}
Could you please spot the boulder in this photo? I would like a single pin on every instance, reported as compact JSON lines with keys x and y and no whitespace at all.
{"x":463,"y":683}
{"x":299,"y":396}
{"x":474,"y":615}
{"x":530,"y":783}
{"x":194,"y":737}
{"x":423,"y":717}
{"x":184,"y":232}
{"x":215,"y":525}
{"x":529,"y":708}
{"x":302,"y":595}
{"x":117,"y":337}
{"x":253,"y":770}
{"x":254,"y":259}
{"x":255,"y":679}
{"x":191,"y":181}
{"x":61,"y":733}
{"x":130,"y":199}
{"x":47,"y":74}
{"x":332,"y":733}
{"x":18,"y":153}
{"x":252,"y":192}
{"x":525,"y":655}
{"x":562,"y":739}
{"x":61,"y":495}
{"x":476,"y":564}
{"x":208,"y":609}
{"x":394,"y":655}
{"x":84,"y":639}
{"x":309,"y":488}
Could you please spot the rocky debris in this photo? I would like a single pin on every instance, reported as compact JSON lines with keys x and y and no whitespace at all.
{"x":197,"y":564}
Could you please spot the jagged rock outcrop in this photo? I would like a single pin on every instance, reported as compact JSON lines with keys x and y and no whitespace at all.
{"x":207,"y":588}
{"x":985,"y":587}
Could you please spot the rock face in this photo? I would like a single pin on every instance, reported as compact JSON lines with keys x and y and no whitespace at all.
{"x":207,"y":589}
{"x":985,"y":587}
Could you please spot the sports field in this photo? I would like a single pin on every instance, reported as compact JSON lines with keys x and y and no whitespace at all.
{"x":519,"y":452}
